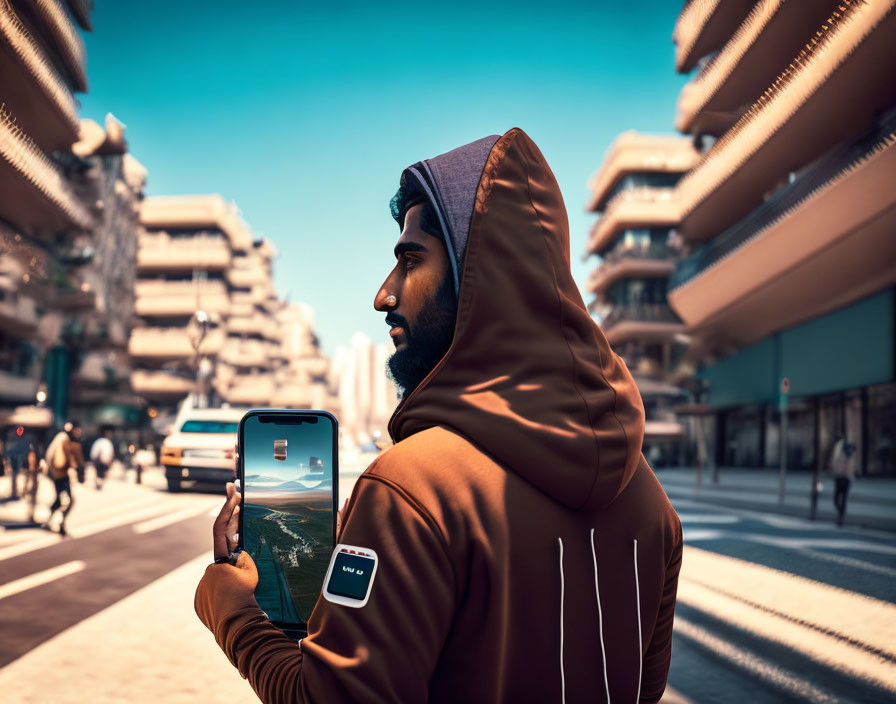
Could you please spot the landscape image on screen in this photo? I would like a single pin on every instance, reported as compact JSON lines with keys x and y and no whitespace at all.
{"x":288,"y":513}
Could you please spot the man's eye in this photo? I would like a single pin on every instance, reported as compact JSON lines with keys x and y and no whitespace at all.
{"x":410,"y":263}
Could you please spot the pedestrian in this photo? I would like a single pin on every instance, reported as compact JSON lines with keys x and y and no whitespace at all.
{"x":17,"y":458}
{"x":102,"y":454}
{"x":841,"y":467}
{"x":527,"y":552}
{"x":31,"y":479}
{"x":63,"y":454}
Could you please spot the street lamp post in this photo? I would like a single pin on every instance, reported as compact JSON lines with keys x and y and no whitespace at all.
{"x":199,"y":324}
{"x":782,"y":404}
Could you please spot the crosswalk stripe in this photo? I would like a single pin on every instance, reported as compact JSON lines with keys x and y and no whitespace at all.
{"x":85,"y":530}
{"x":707,"y":518}
{"x":756,"y":666}
{"x":168,"y":519}
{"x":849,"y":561}
{"x":862,"y":619}
{"x":39,"y":578}
{"x":826,"y":649}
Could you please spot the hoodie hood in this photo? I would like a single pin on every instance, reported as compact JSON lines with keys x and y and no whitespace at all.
{"x":449,"y":182}
{"x":529,"y":377}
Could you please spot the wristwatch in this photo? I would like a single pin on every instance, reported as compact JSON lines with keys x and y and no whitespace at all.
{"x":230,"y":559}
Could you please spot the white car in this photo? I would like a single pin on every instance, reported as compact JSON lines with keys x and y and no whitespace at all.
{"x":201,"y":449}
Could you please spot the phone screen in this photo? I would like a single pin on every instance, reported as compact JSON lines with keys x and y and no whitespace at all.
{"x":288,"y":485}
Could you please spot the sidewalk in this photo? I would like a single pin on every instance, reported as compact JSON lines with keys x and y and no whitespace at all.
{"x":871,"y":502}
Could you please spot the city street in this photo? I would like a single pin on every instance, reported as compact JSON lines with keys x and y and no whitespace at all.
{"x":771,"y":608}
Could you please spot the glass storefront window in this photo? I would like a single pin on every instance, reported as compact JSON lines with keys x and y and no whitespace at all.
{"x":881,"y":429}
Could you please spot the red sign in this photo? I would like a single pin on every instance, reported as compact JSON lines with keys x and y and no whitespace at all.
{"x":785,"y":385}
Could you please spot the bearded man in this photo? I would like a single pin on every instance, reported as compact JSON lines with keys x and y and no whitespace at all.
{"x":527,"y":552}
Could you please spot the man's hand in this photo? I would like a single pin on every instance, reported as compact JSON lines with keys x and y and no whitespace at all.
{"x":226,"y":588}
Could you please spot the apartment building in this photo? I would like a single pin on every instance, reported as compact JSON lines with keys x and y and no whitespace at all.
{"x":187,"y":246}
{"x":302,"y":380}
{"x":787,"y":224}
{"x":636,"y":251}
{"x":68,"y":192}
{"x":367,"y":397}
{"x":210,"y":322}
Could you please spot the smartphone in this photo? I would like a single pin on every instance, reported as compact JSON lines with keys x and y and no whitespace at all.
{"x":288,"y":473}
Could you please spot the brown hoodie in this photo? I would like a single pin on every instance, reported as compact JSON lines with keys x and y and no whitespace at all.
{"x":527,"y":552}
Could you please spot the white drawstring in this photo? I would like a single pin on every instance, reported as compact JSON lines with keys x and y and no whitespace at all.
{"x":600,"y":617}
{"x":640,"y":644}
{"x":562,"y":589}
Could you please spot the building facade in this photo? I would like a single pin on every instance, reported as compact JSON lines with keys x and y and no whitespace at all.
{"x":367,"y":397}
{"x":787,"y":225}
{"x":636,"y":250}
{"x":68,"y":198}
{"x":210,"y":325}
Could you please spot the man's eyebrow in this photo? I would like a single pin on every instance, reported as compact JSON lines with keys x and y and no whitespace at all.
{"x":403,"y":247}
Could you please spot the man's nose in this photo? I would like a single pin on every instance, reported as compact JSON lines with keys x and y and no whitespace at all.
{"x":384,"y":300}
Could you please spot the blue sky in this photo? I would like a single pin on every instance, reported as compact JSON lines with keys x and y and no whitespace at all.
{"x":306,"y":114}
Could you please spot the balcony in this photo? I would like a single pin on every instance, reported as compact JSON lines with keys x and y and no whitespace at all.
{"x":16,"y":388}
{"x":67,"y":297}
{"x":162,"y":384}
{"x":171,"y":343}
{"x":81,"y":9}
{"x":631,"y":263}
{"x":196,"y":212}
{"x":158,"y":251}
{"x":246,"y":273}
{"x":648,"y":322}
{"x":99,"y":368}
{"x":830,"y":93}
{"x":33,"y":190}
{"x":33,"y":91}
{"x":249,"y":390}
{"x":244,"y":353}
{"x":242,"y":305}
{"x":704,"y":26}
{"x":18,"y":314}
{"x":771,"y":35}
{"x":633,"y":209}
{"x":820,"y":243}
{"x":66,"y":39}
{"x":181,"y":298}
{"x":252,"y":324}
{"x":633,"y":153}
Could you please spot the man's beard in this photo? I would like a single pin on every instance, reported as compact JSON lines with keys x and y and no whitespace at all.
{"x":427,"y":342}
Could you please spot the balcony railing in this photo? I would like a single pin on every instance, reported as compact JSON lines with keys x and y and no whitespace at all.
{"x":14,"y":387}
{"x":172,"y":343}
{"x":837,"y":163}
{"x":642,"y":312}
{"x":67,"y":39}
{"x":159,"y":251}
{"x":703,"y":26}
{"x":244,"y":353}
{"x":812,"y":105}
{"x":160,"y":297}
{"x":18,"y":314}
{"x":633,"y":208}
{"x":37,"y":175}
{"x":771,"y":35}
{"x":40,"y":72}
{"x":654,"y":250}
{"x":163,"y":382}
